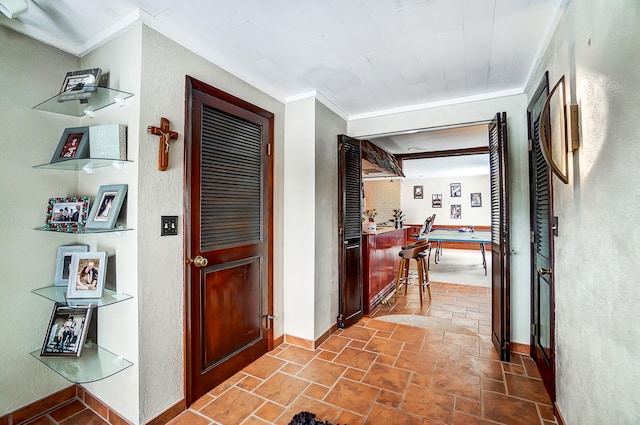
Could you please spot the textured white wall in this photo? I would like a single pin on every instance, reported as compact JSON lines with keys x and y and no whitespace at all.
{"x":515,"y":106}
{"x":30,"y":73}
{"x":117,"y":330}
{"x":597,"y":48}
{"x":328,"y":125}
{"x":299,"y":218}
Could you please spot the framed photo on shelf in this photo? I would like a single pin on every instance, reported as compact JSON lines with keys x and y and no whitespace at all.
{"x":67,"y":331}
{"x":106,"y":207}
{"x":67,"y":214}
{"x":456,"y":211}
{"x":64,"y":261}
{"x":436,"y":200}
{"x":79,"y":85}
{"x":476,"y":199}
{"x":74,"y":143}
{"x":418,"y":192}
{"x":456,"y":190}
{"x":87,"y":271}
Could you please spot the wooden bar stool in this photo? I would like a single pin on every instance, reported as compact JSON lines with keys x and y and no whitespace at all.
{"x":415,"y":252}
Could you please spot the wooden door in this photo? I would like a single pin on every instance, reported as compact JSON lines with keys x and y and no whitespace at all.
{"x":350,"y":293}
{"x":542,"y":282}
{"x":228,"y":236}
{"x":500,"y":251}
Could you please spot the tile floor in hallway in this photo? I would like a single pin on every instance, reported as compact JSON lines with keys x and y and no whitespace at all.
{"x":385,"y":373}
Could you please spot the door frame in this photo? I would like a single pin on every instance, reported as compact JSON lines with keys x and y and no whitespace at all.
{"x":195,"y":84}
{"x":547,"y":372}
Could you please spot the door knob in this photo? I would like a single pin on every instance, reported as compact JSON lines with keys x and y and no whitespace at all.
{"x":199,"y":261}
{"x":542,"y":271}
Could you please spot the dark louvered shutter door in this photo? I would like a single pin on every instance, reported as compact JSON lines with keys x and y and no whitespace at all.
{"x":353,"y":209}
{"x":231,"y":204}
{"x":500,"y":279}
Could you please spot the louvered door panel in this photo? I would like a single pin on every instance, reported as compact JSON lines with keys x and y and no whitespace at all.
{"x":353,"y":213}
{"x":231,"y":169}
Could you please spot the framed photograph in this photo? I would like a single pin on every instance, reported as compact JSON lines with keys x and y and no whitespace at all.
{"x":87,"y":271}
{"x":456,"y":211}
{"x":67,"y":331}
{"x":106,"y":207}
{"x":64,"y":261}
{"x":456,"y":190}
{"x":436,"y":200}
{"x":476,"y":199}
{"x":67,"y":214}
{"x":417,"y":192}
{"x":74,"y":143}
{"x":79,"y":85}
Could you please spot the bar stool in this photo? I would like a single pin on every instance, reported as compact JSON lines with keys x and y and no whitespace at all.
{"x":415,"y":251}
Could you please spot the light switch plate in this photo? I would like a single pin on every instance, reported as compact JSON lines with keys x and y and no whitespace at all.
{"x":169,"y":225}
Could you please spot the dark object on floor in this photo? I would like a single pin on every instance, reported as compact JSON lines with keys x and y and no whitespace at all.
{"x":306,"y":418}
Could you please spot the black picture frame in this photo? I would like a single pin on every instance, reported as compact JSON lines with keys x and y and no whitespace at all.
{"x":79,"y":85}
{"x":67,"y":331}
{"x":476,"y":199}
{"x":436,"y":200}
{"x":456,"y":211}
{"x":456,"y":190}
{"x":418,"y":192}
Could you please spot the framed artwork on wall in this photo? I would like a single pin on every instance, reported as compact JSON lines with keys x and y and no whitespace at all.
{"x":417,"y":192}
{"x":476,"y":199}
{"x":456,"y":190}
{"x":456,"y":211}
{"x":436,"y":200}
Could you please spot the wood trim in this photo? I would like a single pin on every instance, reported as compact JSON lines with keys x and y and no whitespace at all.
{"x":40,"y":406}
{"x":310,"y":345}
{"x":558,"y":414}
{"x":166,"y":416}
{"x":516,"y":347}
{"x":277,"y":341}
{"x":441,"y":154}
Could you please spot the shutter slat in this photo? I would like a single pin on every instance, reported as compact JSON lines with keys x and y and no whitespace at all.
{"x":231,"y":175}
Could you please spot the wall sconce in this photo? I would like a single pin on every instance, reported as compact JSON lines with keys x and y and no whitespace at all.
{"x":13,"y":8}
{"x":559,"y":134}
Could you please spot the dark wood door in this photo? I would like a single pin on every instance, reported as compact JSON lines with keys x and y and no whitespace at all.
{"x":350,"y":293}
{"x":228,"y":236}
{"x":500,"y":248}
{"x":542,"y":282}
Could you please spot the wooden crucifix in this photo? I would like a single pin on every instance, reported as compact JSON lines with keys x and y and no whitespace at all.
{"x":166,"y":136}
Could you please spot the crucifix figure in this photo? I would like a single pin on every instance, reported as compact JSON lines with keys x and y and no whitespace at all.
{"x":166,"y":136}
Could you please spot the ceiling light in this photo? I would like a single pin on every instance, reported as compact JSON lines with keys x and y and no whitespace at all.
{"x":13,"y":8}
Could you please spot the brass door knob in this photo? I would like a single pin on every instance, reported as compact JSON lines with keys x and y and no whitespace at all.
{"x":543,"y":271}
{"x":199,"y":261}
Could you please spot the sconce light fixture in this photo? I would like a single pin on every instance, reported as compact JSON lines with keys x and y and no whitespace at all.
{"x":559,"y":134}
{"x":13,"y":8}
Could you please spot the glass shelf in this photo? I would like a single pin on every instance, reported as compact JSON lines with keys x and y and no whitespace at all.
{"x":100,"y":98}
{"x":59,"y":295}
{"x":94,"y":364}
{"x":86,"y":164}
{"x":83,"y":231}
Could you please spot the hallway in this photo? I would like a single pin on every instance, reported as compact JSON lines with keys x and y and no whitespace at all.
{"x":437,"y":366}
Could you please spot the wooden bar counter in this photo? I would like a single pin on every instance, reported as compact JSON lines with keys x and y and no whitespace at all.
{"x":380,"y":261}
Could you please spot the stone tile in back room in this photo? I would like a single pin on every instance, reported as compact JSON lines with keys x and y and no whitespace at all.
{"x":281,"y":388}
{"x":264,"y":366}
{"x":387,"y":378}
{"x":297,"y":355}
{"x":509,"y":410}
{"x":428,"y":404}
{"x":355,"y":358}
{"x":528,"y":388}
{"x":353,"y":396}
{"x":86,"y":417}
{"x":189,"y":418}
{"x":232,"y":407}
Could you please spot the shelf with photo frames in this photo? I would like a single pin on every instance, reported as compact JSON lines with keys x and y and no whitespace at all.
{"x":94,"y":362}
{"x":96,"y":99}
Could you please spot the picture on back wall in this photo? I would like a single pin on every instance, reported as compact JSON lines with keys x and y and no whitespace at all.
{"x":456,"y":211}
{"x":476,"y":199}
{"x":456,"y":190}
{"x":436,"y":200}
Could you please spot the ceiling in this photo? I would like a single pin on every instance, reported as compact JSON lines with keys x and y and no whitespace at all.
{"x":360,"y":57}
